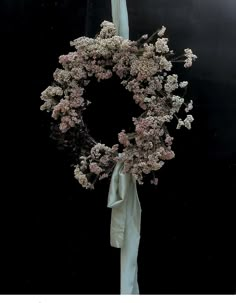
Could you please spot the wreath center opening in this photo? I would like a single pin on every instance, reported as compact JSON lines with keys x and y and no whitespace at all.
{"x":111,"y":110}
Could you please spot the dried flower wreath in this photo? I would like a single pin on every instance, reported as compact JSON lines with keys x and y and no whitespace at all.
{"x":144,"y":69}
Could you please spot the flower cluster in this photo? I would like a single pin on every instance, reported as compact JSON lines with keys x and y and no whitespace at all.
{"x":144,"y":68}
{"x":97,"y":165}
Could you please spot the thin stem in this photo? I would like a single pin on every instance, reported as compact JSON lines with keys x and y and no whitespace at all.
{"x":152,"y":36}
{"x":176,"y":117}
{"x":177,"y":60}
{"x":89,"y":138}
{"x":131,"y":136}
{"x":178,"y":57}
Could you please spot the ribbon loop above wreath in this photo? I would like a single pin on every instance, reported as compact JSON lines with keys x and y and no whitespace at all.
{"x":120,"y":17}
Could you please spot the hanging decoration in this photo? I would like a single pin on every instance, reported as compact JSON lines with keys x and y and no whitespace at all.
{"x":144,"y":68}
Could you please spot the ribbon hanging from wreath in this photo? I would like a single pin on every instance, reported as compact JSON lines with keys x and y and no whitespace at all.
{"x":123,"y":196}
{"x":144,"y":68}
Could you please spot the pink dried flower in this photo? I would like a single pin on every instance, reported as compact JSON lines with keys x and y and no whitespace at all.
{"x":123,"y":138}
{"x":94,"y":168}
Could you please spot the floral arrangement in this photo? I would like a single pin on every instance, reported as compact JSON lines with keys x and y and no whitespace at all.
{"x":144,"y":68}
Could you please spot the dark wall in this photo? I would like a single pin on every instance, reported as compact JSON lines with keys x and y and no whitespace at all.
{"x":55,"y":235}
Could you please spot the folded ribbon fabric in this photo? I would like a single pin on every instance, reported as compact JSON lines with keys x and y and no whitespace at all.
{"x":125,"y":226}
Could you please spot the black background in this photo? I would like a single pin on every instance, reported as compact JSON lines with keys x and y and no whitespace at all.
{"x":55,"y":235}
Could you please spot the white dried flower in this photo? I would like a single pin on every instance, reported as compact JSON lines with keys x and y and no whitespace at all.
{"x":171,"y":83}
{"x":190,"y":57}
{"x":165,"y":64}
{"x":161,"y":45}
{"x":161,"y":31}
{"x":187,"y":121}
{"x":108,"y":30}
{"x":81,"y":178}
{"x":183,"y":84}
{"x":180,"y":124}
{"x":189,"y":106}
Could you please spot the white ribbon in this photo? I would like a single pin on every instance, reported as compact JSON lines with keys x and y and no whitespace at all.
{"x":120,"y":17}
{"x":125,"y":226}
{"x":123,"y":196}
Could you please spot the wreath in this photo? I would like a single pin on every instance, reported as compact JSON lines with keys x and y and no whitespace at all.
{"x":144,"y":68}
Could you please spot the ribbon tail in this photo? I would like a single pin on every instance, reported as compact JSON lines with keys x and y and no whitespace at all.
{"x":125,"y":226}
{"x":129,"y":251}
